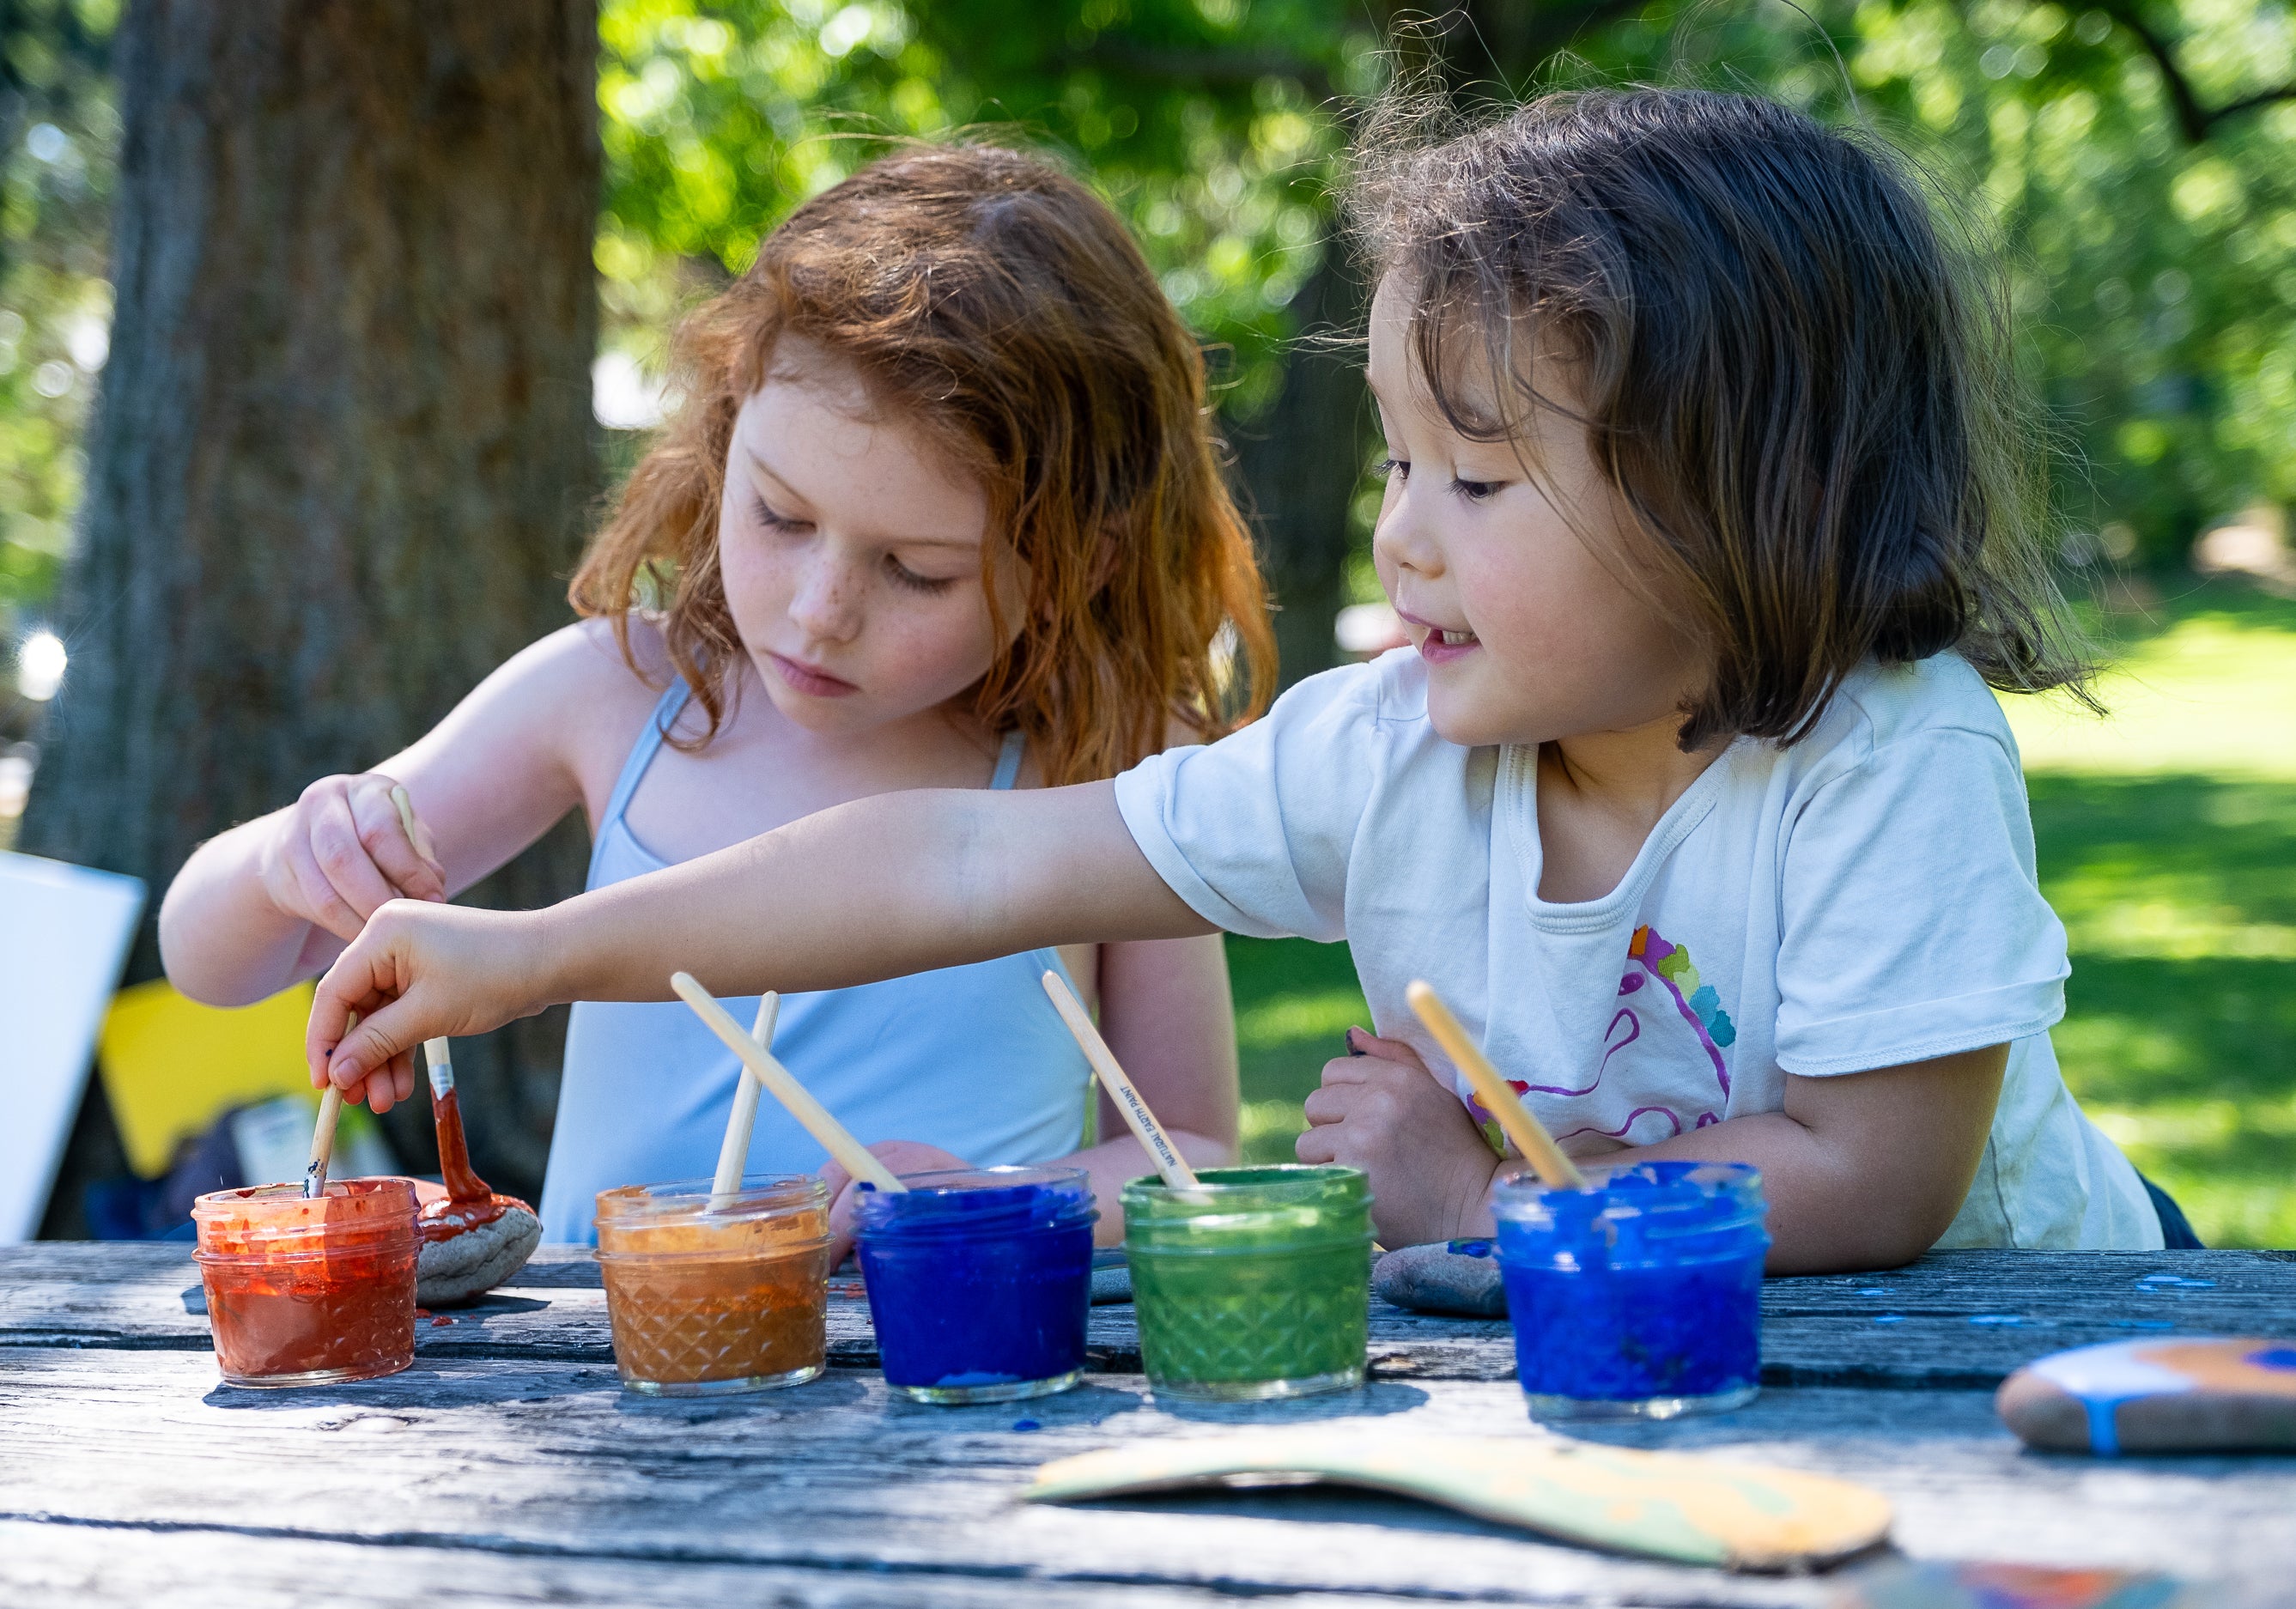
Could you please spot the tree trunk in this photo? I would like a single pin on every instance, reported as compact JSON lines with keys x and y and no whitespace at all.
{"x":344,"y":446}
{"x":1300,"y":461}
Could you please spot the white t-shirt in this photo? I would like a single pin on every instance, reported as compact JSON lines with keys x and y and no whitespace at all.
{"x":1863,"y":898}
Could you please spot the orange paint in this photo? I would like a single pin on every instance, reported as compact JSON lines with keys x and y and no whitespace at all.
{"x":727,"y":1299}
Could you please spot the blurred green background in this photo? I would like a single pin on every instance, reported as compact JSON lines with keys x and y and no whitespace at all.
{"x":2135,"y":162}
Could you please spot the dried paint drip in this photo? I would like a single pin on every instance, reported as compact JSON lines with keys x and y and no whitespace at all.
{"x":2185,"y":1394}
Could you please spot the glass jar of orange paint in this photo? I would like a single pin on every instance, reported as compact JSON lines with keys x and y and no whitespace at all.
{"x":711,"y":1294}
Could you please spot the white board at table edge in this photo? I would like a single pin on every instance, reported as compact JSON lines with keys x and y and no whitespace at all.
{"x":64,"y":933}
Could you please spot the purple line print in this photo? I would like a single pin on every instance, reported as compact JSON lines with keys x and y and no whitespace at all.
{"x":1620,"y":1132}
{"x":1649,"y":948}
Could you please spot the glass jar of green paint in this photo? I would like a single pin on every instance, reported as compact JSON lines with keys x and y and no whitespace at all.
{"x":1256,"y":1284}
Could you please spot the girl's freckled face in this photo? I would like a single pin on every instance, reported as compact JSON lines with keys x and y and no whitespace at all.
{"x":852,"y":552}
{"x":1530,"y":634}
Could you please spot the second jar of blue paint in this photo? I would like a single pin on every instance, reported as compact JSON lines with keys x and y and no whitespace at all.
{"x":979,"y":1280}
{"x":1639,"y":1296}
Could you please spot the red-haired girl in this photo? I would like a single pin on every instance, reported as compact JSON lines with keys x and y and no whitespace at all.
{"x":940,"y":509}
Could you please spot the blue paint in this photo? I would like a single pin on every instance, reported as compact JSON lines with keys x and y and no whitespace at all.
{"x":1026,"y":1424}
{"x":2174,"y":1282}
{"x":1877,"y":1290}
{"x":2103,"y":1377}
{"x":1995,"y":1319}
{"x":2273,"y":1357}
{"x":1469,"y":1248}
{"x":2144,"y":1323}
{"x":1640,"y":1293}
{"x":1888,"y":1318}
{"x":978,"y":1280}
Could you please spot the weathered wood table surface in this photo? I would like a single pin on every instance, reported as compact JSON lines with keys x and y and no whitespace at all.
{"x":508,"y":1467}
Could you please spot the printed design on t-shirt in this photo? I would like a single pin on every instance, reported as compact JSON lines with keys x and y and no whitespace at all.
{"x":1650,"y":957}
{"x":1697,"y":1002}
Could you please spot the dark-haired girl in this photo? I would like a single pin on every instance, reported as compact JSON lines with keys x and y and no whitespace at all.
{"x":1691,"y":792}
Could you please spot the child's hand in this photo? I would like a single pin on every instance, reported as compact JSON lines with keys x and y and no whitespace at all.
{"x":418,"y":971}
{"x":1382,"y":1111}
{"x":902,"y":1156}
{"x":339,"y":852}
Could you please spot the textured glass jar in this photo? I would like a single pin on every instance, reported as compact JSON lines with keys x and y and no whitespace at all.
{"x":1640,"y":1296}
{"x":1257,"y":1285}
{"x":979,"y":1280}
{"x":712,"y":1295}
{"x":310,"y":1292}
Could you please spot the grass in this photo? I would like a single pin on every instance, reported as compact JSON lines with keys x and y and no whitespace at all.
{"x":2168,"y":844}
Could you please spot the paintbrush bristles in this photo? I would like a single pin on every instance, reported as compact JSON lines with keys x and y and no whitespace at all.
{"x":1498,"y":1097}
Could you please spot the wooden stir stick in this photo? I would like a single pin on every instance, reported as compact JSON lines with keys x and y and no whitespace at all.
{"x":743,"y":1120}
{"x":436,"y":1052}
{"x":850,"y":1154}
{"x":1150,"y":1133}
{"x":323,"y":1142}
{"x":1529,"y":1136}
{"x":323,"y":1136}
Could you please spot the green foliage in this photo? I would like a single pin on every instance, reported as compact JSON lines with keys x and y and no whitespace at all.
{"x":57,"y":135}
{"x":2155,"y":271}
{"x":1201,"y":123}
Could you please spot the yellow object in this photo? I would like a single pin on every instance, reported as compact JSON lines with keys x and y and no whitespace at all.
{"x":170,"y":1065}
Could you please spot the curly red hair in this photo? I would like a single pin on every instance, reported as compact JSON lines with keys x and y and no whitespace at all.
{"x":1001,"y":306}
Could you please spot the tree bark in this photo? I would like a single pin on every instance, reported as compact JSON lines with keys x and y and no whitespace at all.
{"x":1300,"y":462}
{"x":344,"y":448}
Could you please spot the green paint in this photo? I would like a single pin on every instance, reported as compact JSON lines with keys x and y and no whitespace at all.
{"x":1264,"y":1277}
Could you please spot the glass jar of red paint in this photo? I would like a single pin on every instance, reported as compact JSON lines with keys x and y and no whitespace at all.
{"x":310,"y":1291}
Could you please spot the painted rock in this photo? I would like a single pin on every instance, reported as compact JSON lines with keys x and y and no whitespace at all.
{"x":464,"y":1267}
{"x":1458,"y":1276}
{"x":2188,"y":1393}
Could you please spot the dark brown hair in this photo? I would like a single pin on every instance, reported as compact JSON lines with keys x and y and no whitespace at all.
{"x":1797,"y":384}
{"x":1001,"y":308}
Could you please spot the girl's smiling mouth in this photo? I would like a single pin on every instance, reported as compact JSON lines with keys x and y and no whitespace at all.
{"x":1439,"y":645}
{"x":805,"y":678}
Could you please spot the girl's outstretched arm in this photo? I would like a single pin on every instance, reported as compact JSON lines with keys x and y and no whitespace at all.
{"x":880,"y":888}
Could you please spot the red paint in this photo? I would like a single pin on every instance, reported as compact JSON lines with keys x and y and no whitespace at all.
{"x":469,"y":1202}
{"x":301,"y":1291}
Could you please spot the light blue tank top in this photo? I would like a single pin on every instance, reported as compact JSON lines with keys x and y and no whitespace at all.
{"x":972,"y":1059}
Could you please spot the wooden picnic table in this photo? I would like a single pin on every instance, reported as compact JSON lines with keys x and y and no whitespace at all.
{"x":508,"y":1466}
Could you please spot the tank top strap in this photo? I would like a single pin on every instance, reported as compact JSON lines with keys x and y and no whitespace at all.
{"x":1008,"y":759}
{"x":665,"y":714}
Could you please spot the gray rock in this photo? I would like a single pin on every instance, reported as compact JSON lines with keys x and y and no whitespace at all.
{"x":1111,"y":1276}
{"x":1458,"y":1277}
{"x":468,"y":1265}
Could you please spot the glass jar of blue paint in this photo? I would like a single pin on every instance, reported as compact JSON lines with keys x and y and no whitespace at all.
{"x":1639,"y":1296}
{"x":979,"y":1280}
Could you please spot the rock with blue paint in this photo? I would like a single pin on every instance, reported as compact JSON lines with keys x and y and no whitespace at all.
{"x":2186,"y":1393}
{"x":1458,"y":1277}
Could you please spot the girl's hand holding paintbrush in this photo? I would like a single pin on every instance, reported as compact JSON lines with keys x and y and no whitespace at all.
{"x":335,"y":856}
